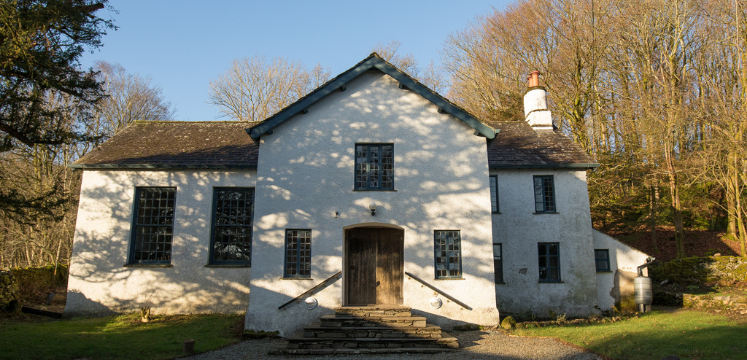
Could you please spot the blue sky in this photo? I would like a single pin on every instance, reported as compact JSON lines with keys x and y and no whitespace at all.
{"x":182,"y":45}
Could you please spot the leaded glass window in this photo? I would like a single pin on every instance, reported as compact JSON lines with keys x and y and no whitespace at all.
{"x":544,"y":194}
{"x":549,"y":262}
{"x":448,"y":248}
{"x":297,"y":253}
{"x":498,"y":262}
{"x":602,"y":259}
{"x":374,"y":166}
{"x":153,"y":225}
{"x":233,"y":211}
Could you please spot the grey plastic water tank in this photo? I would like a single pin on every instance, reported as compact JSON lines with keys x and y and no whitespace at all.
{"x":643,"y":293}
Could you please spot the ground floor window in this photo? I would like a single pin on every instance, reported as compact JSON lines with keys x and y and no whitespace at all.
{"x":602,"y":259}
{"x":233,"y":209}
{"x":297,"y":253}
{"x":448,"y":248}
{"x":498,"y":262}
{"x":153,"y":225}
{"x":549,"y":262}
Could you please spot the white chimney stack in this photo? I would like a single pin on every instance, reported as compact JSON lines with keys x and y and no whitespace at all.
{"x":535,"y":104}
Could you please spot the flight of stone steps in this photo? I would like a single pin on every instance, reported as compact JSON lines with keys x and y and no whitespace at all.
{"x":376,"y":329}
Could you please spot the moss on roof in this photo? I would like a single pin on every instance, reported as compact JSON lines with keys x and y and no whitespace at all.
{"x":176,"y":144}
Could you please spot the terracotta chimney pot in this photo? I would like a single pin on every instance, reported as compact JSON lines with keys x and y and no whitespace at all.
{"x":533,"y":79}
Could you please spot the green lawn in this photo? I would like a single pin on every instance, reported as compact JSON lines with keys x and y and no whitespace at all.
{"x":119,"y":337}
{"x":687,"y":334}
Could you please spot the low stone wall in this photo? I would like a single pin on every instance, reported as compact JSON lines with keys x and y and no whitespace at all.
{"x":722,"y":270}
{"x":718,"y":303}
{"x":8,"y":292}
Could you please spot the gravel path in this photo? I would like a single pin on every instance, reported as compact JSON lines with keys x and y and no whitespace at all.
{"x":473,"y":345}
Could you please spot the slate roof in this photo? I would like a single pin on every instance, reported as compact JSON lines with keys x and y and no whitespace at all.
{"x":176,"y":145}
{"x":518,"y":146}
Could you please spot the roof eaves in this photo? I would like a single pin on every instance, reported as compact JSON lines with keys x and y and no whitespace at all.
{"x":545,"y":166}
{"x":266,"y":126}
{"x":433,"y":97}
{"x":372,"y":61}
{"x":158,"y":167}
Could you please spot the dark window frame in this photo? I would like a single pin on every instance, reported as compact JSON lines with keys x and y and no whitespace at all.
{"x":498,"y":263}
{"x":495,"y":207}
{"x":438,"y":252}
{"x":368,"y":164}
{"x":136,"y":248}
{"x":214,"y":226}
{"x":544,"y":202}
{"x":548,"y":256}
{"x":606,"y":260}
{"x":298,"y":262}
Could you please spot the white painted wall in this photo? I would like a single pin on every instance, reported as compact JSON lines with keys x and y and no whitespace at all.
{"x":306,"y":173}
{"x":99,"y":283}
{"x":519,"y":229}
{"x":624,"y":261}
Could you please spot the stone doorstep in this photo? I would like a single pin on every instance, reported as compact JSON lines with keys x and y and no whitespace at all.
{"x":347,"y":351}
{"x":374,"y":311}
{"x":348,"y":321}
{"x":371,"y":345}
{"x":318,"y":331}
{"x":298,"y":338}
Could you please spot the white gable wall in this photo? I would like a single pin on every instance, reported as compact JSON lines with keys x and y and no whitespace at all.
{"x":520,"y":230}
{"x":306,"y":174}
{"x":99,"y":283}
{"x":616,"y":285}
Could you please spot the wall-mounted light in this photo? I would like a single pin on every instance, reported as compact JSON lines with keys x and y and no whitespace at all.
{"x":372,"y":207}
{"x":435,"y":302}
{"x":310,"y":303}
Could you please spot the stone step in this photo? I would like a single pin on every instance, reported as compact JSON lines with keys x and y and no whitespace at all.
{"x":374,"y":311}
{"x":298,"y":341}
{"x":338,"y":321}
{"x":356,"y":351}
{"x":318,"y":331}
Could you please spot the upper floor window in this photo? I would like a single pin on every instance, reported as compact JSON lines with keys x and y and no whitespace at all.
{"x":494,"y":194}
{"x":602,"y":259}
{"x":374,"y":166}
{"x":153,"y":225}
{"x":233,"y":209}
{"x":448,"y":248}
{"x":544,"y":194}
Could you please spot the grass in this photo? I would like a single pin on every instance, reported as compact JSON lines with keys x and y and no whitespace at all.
{"x":115,"y":337}
{"x":687,"y":334}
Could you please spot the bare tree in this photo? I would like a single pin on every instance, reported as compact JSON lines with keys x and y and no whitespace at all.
{"x":254,"y":88}
{"x":432,"y":76}
{"x":129,"y":97}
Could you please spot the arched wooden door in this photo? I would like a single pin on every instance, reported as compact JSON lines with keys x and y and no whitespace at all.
{"x":374,"y":269}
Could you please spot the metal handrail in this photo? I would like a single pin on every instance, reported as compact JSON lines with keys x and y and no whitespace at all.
{"x":313,"y":290}
{"x":438,"y":291}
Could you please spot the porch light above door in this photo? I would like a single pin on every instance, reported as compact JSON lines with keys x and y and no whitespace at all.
{"x":372,"y":207}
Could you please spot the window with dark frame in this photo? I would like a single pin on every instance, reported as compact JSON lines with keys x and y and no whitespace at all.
{"x":602,"y":259}
{"x":494,"y":194}
{"x":544,"y":194}
{"x":498,"y":262}
{"x":297,"y":253}
{"x":549,"y":262}
{"x":153,"y":225}
{"x":233,"y":211}
{"x":448,"y":254}
{"x":374,"y":167}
